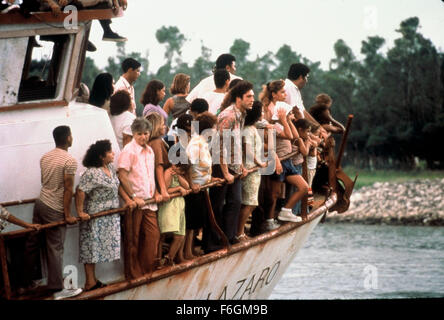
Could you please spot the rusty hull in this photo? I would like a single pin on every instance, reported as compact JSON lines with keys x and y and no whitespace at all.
{"x":247,"y":270}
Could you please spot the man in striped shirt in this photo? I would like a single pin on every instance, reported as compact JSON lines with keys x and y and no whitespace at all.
{"x":58,"y":169}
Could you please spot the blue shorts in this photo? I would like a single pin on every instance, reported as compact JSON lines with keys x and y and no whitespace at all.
{"x":288,"y":169}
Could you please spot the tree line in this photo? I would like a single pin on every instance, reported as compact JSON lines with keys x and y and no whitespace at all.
{"x":397,"y":97}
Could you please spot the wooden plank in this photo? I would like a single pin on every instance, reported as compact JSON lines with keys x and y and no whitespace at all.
{"x":48,"y":17}
{"x":43,"y":104}
{"x":4,"y":266}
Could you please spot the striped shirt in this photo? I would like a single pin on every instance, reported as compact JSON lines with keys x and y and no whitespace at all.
{"x":54,"y":165}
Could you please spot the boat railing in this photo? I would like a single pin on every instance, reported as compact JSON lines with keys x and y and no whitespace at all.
{"x":122,"y":210}
{"x":22,"y":232}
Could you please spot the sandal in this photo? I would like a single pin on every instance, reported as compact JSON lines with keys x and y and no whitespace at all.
{"x":242,"y":238}
{"x":98,"y":285}
{"x":310,"y":198}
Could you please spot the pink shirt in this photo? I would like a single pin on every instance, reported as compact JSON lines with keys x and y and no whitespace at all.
{"x":139,"y":162}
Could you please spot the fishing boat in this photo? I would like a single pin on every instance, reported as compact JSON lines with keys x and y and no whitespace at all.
{"x":32,"y":104}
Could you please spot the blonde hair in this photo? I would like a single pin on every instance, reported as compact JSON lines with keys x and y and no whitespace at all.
{"x":180,"y":83}
{"x":323,"y":99}
{"x":266,"y":96}
{"x":157,"y":122}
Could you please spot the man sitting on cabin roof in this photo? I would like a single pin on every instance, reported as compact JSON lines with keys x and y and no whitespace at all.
{"x":27,"y":6}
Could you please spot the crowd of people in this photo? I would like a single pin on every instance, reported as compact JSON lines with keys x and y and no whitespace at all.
{"x":170,"y":154}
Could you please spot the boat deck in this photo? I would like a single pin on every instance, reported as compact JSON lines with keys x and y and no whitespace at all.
{"x":42,"y":293}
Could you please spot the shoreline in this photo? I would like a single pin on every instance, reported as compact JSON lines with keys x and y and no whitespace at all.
{"x":417,"y":202}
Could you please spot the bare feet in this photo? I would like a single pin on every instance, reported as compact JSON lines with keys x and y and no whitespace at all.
{"x":198,"y":252}
{"x":189,"y":256}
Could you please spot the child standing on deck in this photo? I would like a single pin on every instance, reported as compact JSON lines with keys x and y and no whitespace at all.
{"x":171,"y":215}
{"x":252,"y":145}
{"x":272,"y":94}
{"x":312,"y":158}
{"x":302,"y":146}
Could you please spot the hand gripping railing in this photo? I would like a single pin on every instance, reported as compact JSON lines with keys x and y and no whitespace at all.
{"x":122,"y":210}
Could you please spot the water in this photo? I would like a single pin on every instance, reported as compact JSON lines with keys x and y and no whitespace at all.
{"x":347,"y":261}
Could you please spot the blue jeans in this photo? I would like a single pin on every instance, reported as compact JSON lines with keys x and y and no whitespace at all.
{"x":297,"y":208}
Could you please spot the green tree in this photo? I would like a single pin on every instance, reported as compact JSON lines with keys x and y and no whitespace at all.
{"x":90,"y":72}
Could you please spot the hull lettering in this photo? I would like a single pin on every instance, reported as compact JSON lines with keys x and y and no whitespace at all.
{"x":248,"y":286}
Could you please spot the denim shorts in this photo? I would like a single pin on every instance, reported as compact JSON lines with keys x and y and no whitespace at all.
{"x":288,"y":169}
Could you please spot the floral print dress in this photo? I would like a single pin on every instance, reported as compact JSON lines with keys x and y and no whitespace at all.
{"x":100,"y":238}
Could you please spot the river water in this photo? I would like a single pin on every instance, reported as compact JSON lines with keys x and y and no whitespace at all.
{"x":350,"y":261}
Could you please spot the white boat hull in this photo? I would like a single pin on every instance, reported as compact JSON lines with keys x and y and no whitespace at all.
{"x":247,"y":274}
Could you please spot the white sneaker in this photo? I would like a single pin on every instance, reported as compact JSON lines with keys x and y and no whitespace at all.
{"x":286,"y":215}
{"x":67,"y":293}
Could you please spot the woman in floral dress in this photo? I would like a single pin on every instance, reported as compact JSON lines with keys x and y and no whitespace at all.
{"x":97,"y":191}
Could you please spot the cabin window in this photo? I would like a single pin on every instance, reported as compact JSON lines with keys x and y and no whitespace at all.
{"x":42,"y":66}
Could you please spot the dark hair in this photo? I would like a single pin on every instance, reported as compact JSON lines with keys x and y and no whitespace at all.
{"x":314,"y":127}
{"x":150,"y":94}
{"x":130,"y":63}
{"x":224,"y":60}
{"x":318,"y":112}
{"x":220,"y":77}
{"x":102,"y":89}
{"x":254,"y":114}
{"x":302,"y":124}
{"x":296,"y":70}
{"x":61,"y":134}
{"x":184,"y":122}
{"x":183,"y":167}
{"x":95,"y":152}
{"x":226,"y":102}
{"x":239,"y":90}
{"x":234,"y":82}
{"x":199,"y":105}
{"x":206,"y":121}
{"x":120,"y":102}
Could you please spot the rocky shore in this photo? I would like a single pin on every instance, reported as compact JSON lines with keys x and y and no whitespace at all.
{"x":416,"y":202}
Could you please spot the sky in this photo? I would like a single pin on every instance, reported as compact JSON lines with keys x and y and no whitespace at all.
{"x":309,"y":27}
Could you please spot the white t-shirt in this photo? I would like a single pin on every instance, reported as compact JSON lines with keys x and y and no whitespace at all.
{"x":294,"y":97}
{"x":312,"y":162}
{"x":205,"y":86}
{"x":122,"y":125}
{"x":214,"y":100}
{"x":123,"y":84}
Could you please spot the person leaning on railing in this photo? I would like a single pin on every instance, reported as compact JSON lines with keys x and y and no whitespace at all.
{"x":58,"y":169}
{"x":99,"y":190}
{"x":6,"y":217}
{"x":137,"y":176}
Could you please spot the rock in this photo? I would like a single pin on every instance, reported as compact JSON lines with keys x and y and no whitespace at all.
{"x":419,"y":202}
